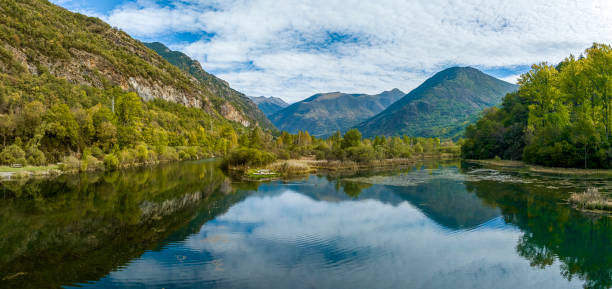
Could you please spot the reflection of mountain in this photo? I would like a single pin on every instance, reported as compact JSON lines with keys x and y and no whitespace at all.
{"x":448,"y":203}
{"x":554,"y":231}
{"x":442,"y":197}
{"x":75,"y":229}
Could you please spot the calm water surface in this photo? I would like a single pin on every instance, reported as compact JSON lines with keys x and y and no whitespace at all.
{"x":188,"y":225}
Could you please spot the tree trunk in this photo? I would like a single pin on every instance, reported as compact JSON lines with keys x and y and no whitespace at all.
{"x":585,"y":156}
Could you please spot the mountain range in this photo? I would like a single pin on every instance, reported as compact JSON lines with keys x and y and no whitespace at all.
{"x":269,"y":105}
{"x":325,"y":113}
{"x":440,"y":107}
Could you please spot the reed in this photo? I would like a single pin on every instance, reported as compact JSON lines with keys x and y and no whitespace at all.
{"x":591,"y":199}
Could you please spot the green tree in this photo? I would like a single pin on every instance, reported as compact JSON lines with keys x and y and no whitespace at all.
{"x":351,"y":138}
{"x":129,"y":108}
{"x":60,"y":129}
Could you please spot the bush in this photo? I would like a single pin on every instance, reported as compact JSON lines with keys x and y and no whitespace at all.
{"x":97,"y":152}
{"x":93,"y":163}
{"x":168,"y":154}
{"x":70,"y":163}
{"x":142,"y":153}
{"x":201,"y":153}
{"x":111,"y":162}
{"x":36,"y":157}
{"x":361,"y":153}
{"x":12,"y":154}
{"x":126,"y":158}
{"x":243,"y":156}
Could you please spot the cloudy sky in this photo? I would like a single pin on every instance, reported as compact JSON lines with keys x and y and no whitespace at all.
{"x":295,"y":48}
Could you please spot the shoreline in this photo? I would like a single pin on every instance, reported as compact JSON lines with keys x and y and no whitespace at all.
{"x":519,"y":165}
{"x":8,"y":173}
{"x":281,"y":169}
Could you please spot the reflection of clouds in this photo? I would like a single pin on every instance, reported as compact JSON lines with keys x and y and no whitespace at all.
{"x":290,"y":240}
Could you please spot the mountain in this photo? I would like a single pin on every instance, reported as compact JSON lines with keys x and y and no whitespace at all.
{"x":41,"y":39}
{"x":440,"y":107}
{"x":216,"y":85}
{"x":324,"y":113}
{"x":269,"y":105}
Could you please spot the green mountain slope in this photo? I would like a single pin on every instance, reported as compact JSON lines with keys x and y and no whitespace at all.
{"x":440,"y":107}
{"x":323,"y":114}
{"x":214,"y":84}
{"x":269,"y":105}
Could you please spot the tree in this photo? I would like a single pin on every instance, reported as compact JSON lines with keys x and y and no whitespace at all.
{"x":129,"y":108}
{"x":60,"y":128}
{"x":255,"y":140}
{"x":7,"y":127}
{"x":351,"y":138}
{"x":31,"y":119}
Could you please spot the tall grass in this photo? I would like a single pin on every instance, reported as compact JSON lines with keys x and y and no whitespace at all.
{"x":591,"y":199}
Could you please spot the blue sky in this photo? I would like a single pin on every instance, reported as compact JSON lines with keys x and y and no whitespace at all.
{"x":295,"y":48}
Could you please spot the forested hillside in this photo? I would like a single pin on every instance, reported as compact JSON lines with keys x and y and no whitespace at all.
{"x":440,"y":107}
{"x":72,"y":87}
{"x":560,"y":116}
{"x":216,"y":85}
{"x":325,"y":113}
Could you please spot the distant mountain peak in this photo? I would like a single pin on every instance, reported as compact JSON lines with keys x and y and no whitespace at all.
{"x":441,"y":106}
{"x":324,"y":113}
{"x":269,"y":104}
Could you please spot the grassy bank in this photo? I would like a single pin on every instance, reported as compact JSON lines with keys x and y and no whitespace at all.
{"x":26,"y":171}
{"x":518,"y":165}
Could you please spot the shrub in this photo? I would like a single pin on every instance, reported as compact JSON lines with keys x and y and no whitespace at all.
{"x":168,"y":154}
{"x":192,"y":152}
{"x":93,"y":163}
{"x":249,"y":157}
{"x":142,"y":153}
{"x":70,"y":163}
{"x":97,"y":152}
{"x":152,"y":156}
{"x":111,"y":162}
{"x":361,"y":153}
{"x":12,"y":154}
{"x":183,"y":155}
{"x":201,"y":153}
{"x":36,"y":157}
{"x":126,"y":158}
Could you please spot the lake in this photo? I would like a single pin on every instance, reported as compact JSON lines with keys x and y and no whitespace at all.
{"x":188,"y":225}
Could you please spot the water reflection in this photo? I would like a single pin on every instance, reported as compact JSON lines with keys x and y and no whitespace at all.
{"x":553,"y":231}
{"x":188,"y":226}
{"x":79,"y":228}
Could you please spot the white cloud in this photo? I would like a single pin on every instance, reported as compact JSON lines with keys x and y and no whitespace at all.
{"x":329,"y":245}
{"x":283,"y":48}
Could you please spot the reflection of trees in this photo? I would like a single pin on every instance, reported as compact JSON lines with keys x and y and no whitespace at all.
{"x":583,"y":244}
{"x":79,"y":228}
{"x":353,"y":189}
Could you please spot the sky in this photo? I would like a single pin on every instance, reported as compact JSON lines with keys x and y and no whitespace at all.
{"x":295,"y":48}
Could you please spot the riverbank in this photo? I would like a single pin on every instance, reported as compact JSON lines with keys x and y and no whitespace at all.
{"x":309,"y":165}
{"x":11,"y":173}
{"x":7,"y":172}
{"x":592,"y":200}
{"x":518,"y":165}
